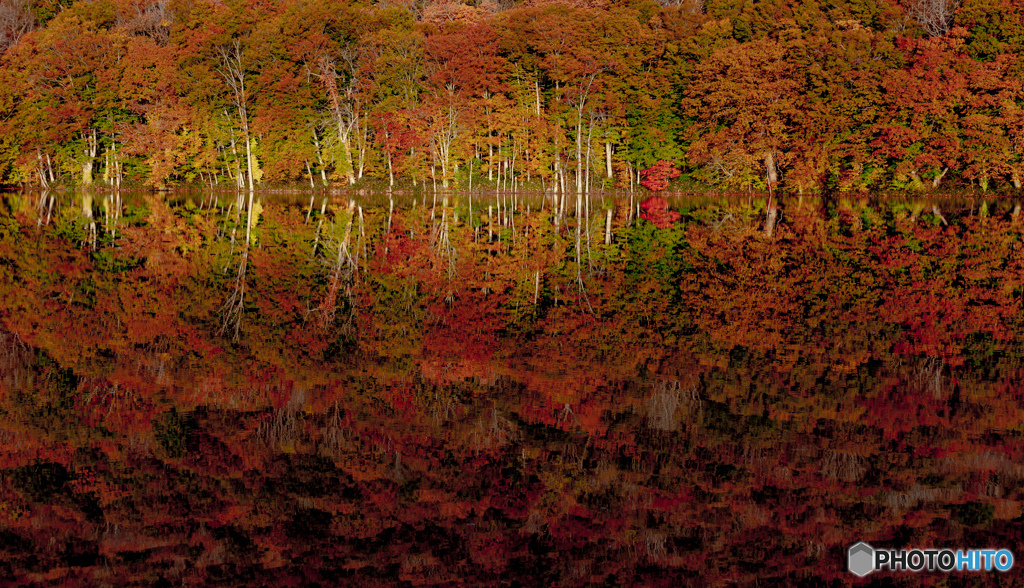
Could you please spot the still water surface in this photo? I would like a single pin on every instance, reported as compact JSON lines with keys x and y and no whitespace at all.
{"x":433,"y":396}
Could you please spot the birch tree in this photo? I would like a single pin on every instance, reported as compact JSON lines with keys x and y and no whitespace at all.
{"x":234,"y":69}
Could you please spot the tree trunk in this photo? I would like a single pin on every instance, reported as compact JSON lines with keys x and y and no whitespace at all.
{"x":239,"y":177}
{"x":87,"y":206}
{"x":771,"y":170}
{"x":391,"y":172}
{"x":536,"y":90}
{"x":363,"y":142}
{"x":579,"y":154}
{"x":590,"y":132}
{"x":91,"y":148}
{"x":772,"y":218}
{"x":43,"y":183}
{"x":918,"y":184}
{"x":117,"y":164}
{"x":346,"y":146}
{"x":248,"y":224}
{"x":87,"y":173}
{"x":319,"y":157}
{"x":248,"y":156}
{"x":106,"y":167}
{"x":608,"y":159}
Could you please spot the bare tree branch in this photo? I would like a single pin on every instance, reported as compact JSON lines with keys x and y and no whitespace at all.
{"x":935,"y":16}
{"x":16,"y":19}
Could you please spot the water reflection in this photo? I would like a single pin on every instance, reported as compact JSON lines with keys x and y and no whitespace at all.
{"x":410,"y":400}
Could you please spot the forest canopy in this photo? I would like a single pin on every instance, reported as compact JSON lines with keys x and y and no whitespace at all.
{"x":847,"y":95}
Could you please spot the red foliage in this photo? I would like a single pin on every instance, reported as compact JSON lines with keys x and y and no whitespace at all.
{"x":655,"y":210}
{"x":657,"y":176}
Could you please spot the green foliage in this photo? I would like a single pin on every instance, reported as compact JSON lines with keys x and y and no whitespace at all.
{"x":995,"y":27}
{"x":41,"y":480}
{"x":344,"y":345}
{"x":655,"y":254}
{"x":981,"y":350}
{"x":654,"y":140}
{"x":973,"y":514}
{"x":110,"y":261}
{"x":9,"y":226}
{"x":172,"y":431}
{"x":62,"y":384}
{"x":397,"y":310}
{"x":70,"y":226}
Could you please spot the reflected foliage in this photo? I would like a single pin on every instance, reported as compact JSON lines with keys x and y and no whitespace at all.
{"x":694,"y":404}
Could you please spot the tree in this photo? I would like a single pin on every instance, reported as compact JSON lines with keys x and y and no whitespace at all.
{"x":69,"y":74}
{"x":656,"y":177}
{"x":742,"y":101}
{"x":934,"y":16}
{"x":921,"y":132}
{"x":840,"y":99}
{"x":235,"y":70}
{"x":16,"y":19}
{"x":445,"y":126}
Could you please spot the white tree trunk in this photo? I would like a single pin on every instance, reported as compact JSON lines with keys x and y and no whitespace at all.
{"x":608,"y":159}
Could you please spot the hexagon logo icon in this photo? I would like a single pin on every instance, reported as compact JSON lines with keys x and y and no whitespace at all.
{"x":860,"y":559}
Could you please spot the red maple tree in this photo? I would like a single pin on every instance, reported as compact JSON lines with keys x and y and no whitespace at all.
{"x":656,"y":177}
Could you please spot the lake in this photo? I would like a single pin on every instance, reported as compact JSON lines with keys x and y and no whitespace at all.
{"x":408,"y":391}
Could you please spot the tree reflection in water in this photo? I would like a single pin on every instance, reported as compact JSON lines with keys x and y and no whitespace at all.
{"x":721,"y":405}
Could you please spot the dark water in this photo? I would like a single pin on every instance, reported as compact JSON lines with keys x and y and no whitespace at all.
{"x":344,"y":403}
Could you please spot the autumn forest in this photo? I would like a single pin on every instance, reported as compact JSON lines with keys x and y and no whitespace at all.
{"x":365,"y":393}
{"x":422,"y":292}
{"x":845,"y":96}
